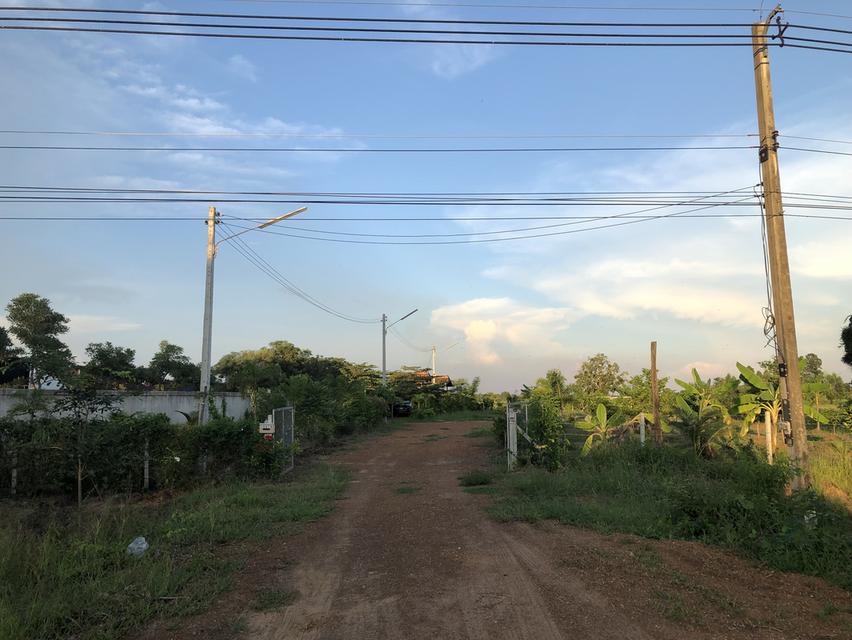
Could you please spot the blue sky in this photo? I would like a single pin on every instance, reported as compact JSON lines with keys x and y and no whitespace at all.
{"x":516,"y":308}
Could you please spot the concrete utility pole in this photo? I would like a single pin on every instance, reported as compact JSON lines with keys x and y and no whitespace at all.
{"x":385,"y":327}
{"x":779,"y":266}
{"x":384,"y":348}
{"x":656,"y":429}
{"x":434,"y":368}
{"x":207,"y":329}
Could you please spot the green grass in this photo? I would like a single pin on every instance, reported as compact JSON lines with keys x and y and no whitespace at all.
{"x":475,"y":477}
{"x":274,"y":599}
{"x":831,"y":464}
{"x":66,"y":573}
{"x":479,"y":432}
{"x":434,"y":437}
{"x":406,"y":489}
{"x":488,"y":490}
{"x":665,"y":493}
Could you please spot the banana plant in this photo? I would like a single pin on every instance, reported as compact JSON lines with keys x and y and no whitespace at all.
{"x":764,"y":397}
{"x":704,"y":425}
{"x":600,"y":428}
{"x":816,"y":392}
{"x":702,"y":393}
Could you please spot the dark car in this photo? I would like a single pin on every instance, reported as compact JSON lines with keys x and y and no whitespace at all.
{"x":402,"y":408}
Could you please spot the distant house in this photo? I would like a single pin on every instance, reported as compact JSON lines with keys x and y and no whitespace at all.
{"x":426,"y":379}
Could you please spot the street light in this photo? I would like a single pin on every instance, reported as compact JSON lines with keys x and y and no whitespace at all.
{"x":434,"y":356}
{"x":385,"y":327}
{"x":206,"y":335}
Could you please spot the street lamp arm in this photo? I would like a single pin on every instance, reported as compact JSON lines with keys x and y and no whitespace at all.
{"x":263,"y":225}
{"x":410,"y":313}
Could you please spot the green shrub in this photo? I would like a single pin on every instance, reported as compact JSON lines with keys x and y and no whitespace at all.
{"x":475,"y":478}
{"x":735,"y":501}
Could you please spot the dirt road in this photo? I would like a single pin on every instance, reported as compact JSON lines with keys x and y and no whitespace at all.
{"x":408,"y":554}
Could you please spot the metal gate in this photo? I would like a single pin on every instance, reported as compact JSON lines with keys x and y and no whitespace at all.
{"x":517,"y":419}
{"x":284,"y":420}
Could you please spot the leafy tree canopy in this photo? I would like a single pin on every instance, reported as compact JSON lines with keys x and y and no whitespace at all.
{"x":171,"y":367}
{"x":846,"y":342}
{"x":110,"y":366}
{"x":37,"y":326}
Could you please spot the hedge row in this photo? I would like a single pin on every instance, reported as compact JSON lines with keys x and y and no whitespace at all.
{"x":110,"y":454}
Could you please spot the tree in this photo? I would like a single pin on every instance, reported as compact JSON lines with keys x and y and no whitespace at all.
{"x":846,"y":342}
{"x":249,"y":377}
{"x":110,"y":366}
{"x":635,"y":397}
{"x":37,"y":326}
{"x":810,"y":368}
{"x":12,"y":365}
{"x":597,"y":378}
{"x":171,"y":366}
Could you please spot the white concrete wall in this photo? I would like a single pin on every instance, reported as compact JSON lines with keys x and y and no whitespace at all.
{"x":167,"y":402}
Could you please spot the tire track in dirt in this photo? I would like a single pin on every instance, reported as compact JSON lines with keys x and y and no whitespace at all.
{"x":427,"y":564}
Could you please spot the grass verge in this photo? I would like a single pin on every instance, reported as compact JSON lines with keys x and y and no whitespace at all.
{"x":479,"y":432}
{"x":475,"y":478}
{"x":66,"y":573}
{"x":666,"y":493}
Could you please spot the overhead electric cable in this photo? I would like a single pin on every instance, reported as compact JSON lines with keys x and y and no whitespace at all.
{"x":368,"y":136}
{"x":373,"y":150}
{"x":254,"y":258}
{"x":490,"y":240}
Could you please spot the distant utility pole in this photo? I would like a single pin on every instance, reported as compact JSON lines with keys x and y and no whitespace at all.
{"x":793,"y":418}
{"x":434,"y":369}
{"x":385,"y":327}
{"x":207,"y":329}
{"x":656,"y":429}
{"x":384,"y":348}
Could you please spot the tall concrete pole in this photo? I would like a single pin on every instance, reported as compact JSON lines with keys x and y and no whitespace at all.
{"x":656,"y":428}
{"x":782,"y":292}
{"x":434,"y":368}
{"x":206,"y":334}
{"x":384,"y":348}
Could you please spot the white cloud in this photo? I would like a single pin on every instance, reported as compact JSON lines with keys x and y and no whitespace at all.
{"x":451,"y":60}
{"x":494,"y":327}
{"x":454,"y":60}
{"x":705,"y":370}
{"x":828,"y":258}
{"x":82,"y":323}
{"x":242,"y":67}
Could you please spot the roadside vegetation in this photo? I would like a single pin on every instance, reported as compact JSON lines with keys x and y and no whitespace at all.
{"x":66,"y":573}
{"x":716,"y":477}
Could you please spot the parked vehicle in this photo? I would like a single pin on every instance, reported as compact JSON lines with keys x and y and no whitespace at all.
{"x":402,"y":408}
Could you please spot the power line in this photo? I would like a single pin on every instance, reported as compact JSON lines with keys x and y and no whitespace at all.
{"x":491,"y":240}
{"x":334,"y":136}
{"x":373,"y":150}
{"x":391,"y":194}
{"x":467,"y":32}
{"x":455,"y":32}
{"x":257,"y":36}
{"x":407,"y":342}
{"x":833,"y":153}
{"x":463,"y":5}
{"x":256,"y":16}
{"x":258,"y":261}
